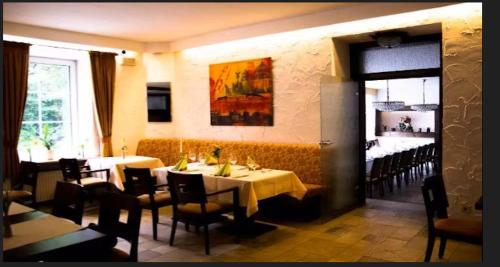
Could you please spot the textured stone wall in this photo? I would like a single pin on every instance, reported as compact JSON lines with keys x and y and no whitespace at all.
{"x":462,"y":104}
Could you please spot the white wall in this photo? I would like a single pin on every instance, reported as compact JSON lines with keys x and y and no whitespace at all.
{"x":418,"y":119}
{"x":298,"y":63}
{"x":407,"y":90}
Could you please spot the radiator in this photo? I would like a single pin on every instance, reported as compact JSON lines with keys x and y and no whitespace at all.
{"x":47,"y":184}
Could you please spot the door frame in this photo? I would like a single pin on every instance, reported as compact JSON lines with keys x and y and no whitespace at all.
{"x":354,"y":51}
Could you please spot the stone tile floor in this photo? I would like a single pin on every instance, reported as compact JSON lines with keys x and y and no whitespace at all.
{"x":379,"y":231}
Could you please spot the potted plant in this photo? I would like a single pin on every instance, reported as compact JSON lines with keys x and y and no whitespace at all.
{"x":47,"y":141}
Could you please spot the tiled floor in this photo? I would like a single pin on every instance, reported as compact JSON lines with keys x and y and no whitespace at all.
{"x":380,"y":231}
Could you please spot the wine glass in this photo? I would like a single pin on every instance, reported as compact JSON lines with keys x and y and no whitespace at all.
{"x":192,"y":156}
{"x":232,"y":159}
{"x":201,"y":158}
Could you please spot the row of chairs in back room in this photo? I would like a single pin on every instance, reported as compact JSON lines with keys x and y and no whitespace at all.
{"x":408,"y":165}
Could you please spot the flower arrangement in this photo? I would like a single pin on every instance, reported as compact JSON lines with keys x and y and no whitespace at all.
{"x":216,"y":152}
{"x":405,"y":124}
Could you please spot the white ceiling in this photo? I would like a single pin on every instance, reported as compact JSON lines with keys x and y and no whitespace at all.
{"x":153,"y":22}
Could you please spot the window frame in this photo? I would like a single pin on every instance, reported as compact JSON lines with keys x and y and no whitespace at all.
{"x":73,"y":94}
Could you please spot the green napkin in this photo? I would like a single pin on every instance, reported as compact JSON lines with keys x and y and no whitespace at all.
{"x":251,"y":164}
{"x":225,"y":170}
{"x":210,"y":160}
{"x":181,"y":165}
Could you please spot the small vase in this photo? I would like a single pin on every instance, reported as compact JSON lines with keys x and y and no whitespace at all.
{"x":50,"y":154}
{"x":123,"y":153}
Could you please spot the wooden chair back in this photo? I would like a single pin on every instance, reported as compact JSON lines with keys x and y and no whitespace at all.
{"x":109,"y":222}
{"x":138,"y":181}
{"x":430,"y":152}
{"x":396,"y":159}
{"x":28,"y":175}
{"x":387,"y":164}
{"x":377,"y":166}
{"x":186,"y":188}
{"x":70,"y":169}
{"x":435,"y":199}
{"x":68,"y":201}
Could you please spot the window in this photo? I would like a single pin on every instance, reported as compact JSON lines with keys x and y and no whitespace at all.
{"x":50,"y":104}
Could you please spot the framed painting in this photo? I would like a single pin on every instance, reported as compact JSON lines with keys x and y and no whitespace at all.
{"x":241,"y":93}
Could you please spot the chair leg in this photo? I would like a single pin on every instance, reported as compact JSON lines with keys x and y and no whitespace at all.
{"x":391,"y":183}
{"x":207,"y":242}
{"x":442,"y":246}
{"x":186,"y":225}
{"x":154,"y":212}
{"x":430,"y":247}
{"x":172,"y":233}
{"x":398,"y":180}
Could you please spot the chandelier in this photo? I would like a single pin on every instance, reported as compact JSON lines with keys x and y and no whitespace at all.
{"x":424,"y":107}
{"x":388,"y":105}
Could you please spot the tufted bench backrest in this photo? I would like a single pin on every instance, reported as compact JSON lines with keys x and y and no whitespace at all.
{"x":303,"y":159}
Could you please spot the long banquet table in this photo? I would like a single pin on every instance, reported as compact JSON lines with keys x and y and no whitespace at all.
{"x":38,"y":236}
{"x":254,"y":185}
{"x":118,"y":164}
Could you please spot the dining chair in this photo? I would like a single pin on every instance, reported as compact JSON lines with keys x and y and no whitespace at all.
{"x":412,"y":156}
{"x":110,"y":209}
{"x":416,"y":163}
{"x":68,"y":201}
{"x":140,"y":183}
{"x":405,"y":165}
{"x":423,"y":159}
{"x":74,"y":173}
{"x":28,"y":176}
{"x":436,"y":203}
{"x":394,"y":170}
{"x":191,"y":206}
{"x":386,"y":172}
{"x":428,"y":158}
{"x":375,"y":176}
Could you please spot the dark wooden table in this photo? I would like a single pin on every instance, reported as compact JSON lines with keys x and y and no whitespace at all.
{"x":80,"y":245}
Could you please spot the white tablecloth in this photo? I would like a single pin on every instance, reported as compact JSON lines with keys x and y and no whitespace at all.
{"x":38,"y":229}
{"x":254,"y":185}
{"x":118,"y":164}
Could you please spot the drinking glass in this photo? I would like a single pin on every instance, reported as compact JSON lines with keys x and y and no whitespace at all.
{"x":201,"y":158}
{"x":232,"y":159}
{"x":192,"y":156}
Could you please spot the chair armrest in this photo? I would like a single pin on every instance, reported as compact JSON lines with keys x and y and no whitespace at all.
{"x":99,"y":170}
{"x":222,"y":191}
{"x":236,"y":197}
{"x":85,"y":167}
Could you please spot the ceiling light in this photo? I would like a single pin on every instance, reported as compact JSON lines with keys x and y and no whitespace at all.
{"x":388,"y":105}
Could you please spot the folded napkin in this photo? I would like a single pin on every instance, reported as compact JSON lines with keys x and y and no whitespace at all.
{"x":225,"y":170}
{"x":210,"y":160}
{"x":181,"y":165}
{"x":251,"y":164}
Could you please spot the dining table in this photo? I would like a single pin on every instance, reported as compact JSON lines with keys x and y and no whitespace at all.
{"x":116,"y":165}
{"x":254,"y":185}
{"x":39,"y":236}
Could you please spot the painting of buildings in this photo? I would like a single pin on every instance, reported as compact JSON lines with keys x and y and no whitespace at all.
{"x":241,"y":93}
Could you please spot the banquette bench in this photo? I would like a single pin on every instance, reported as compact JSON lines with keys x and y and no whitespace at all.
{"x":302,"y":159}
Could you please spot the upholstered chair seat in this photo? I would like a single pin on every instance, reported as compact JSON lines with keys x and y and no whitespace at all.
{"x":471,"y":229}
{"x":161,"y":198}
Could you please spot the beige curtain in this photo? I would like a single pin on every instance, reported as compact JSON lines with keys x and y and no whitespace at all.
{"x":15,"y":89}
{"x":103,"y":77}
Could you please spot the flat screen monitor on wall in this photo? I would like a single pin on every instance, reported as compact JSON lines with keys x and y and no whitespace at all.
{"x":159,"y":102}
